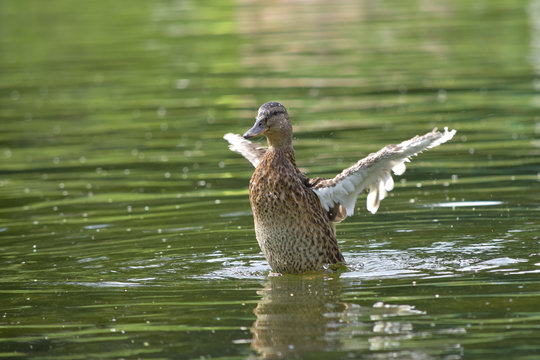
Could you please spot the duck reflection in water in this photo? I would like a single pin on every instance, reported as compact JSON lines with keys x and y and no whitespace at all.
{"x":294,"y":215}
{"x":292,"y":316}
{"x":299,"y":316}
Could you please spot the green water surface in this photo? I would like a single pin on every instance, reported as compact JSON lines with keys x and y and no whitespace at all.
{"x":125,"y":225}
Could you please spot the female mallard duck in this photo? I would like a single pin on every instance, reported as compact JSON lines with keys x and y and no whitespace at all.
{"x":294,"y":215}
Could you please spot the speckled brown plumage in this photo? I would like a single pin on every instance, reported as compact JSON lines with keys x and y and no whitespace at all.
{"x":293,"y":230}
{"x":294,"y":215}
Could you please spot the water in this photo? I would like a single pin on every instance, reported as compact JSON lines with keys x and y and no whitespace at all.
{"x":125,"y":227}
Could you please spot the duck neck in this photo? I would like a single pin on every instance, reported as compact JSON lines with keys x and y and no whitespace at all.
{"x":286,"y":151}
{"x":279,"y":142}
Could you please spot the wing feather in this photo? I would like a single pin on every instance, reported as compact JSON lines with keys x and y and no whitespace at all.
{"x":374,"y":173}
{"x":251,"y":151}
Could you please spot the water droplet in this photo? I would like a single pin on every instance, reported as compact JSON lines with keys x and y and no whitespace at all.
{"x":161,"y":112}
{"x":441,"y":95}
{"x":15,"y":95}
{"x":182,"y":83}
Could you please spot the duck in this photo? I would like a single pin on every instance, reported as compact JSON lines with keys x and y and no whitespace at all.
{"x":294,"y":215}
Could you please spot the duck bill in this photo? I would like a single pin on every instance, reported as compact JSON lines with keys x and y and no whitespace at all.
{"x":256,"y":130}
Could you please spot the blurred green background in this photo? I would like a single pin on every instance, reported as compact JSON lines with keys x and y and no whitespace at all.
{"x":125,"y":226}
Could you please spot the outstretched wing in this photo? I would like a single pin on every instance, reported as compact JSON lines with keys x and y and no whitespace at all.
{"x":252,"y":152}
{"x":373,"y":173}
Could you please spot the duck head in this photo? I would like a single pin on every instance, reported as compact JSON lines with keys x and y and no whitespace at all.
{"x":273,"y":122}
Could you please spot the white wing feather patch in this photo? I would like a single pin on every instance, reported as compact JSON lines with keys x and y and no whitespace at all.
{"x":252,"y":152}
{"x":374,"y":172}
